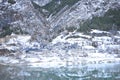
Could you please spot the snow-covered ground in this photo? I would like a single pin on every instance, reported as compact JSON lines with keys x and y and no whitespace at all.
{"x":64,"y":50}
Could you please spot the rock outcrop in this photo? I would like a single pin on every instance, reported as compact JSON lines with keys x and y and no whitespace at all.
{"x":46,"y":19}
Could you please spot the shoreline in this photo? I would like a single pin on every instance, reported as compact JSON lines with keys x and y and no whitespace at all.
{"x":55,"y":62}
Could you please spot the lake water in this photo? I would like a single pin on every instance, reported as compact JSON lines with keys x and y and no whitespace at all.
{"x":108,"y":71}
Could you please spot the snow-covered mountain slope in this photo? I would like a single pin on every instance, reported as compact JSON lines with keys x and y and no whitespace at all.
{"x":45,"y":19}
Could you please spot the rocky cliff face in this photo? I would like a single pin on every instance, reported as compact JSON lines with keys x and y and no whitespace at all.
{"x":72,"y":16}
{"x":24,"y":18}
{"x":46,"y":19}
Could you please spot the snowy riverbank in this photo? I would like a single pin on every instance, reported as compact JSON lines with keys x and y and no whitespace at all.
{"x":99,"y":47}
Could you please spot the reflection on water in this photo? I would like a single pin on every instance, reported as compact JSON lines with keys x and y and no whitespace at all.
{"x":86,"y":72}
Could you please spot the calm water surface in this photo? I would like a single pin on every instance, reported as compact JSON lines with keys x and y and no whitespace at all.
{"x":82,"y":72}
